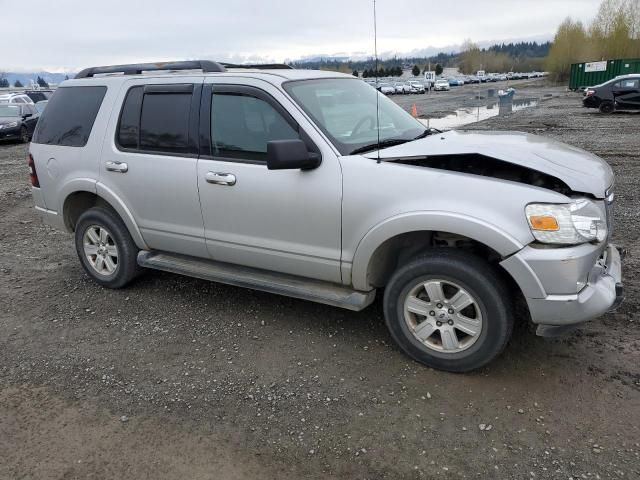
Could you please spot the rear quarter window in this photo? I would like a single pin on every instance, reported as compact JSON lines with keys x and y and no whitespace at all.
{"x":69,"y":116}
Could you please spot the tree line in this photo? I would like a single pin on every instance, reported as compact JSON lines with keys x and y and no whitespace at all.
{"x":4,"y":83}
{"x":613,"y":33}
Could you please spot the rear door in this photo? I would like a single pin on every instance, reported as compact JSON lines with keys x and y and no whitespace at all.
{"x":627,"y":93}
{"x":149,"y":161}
{"x":285,"y":220}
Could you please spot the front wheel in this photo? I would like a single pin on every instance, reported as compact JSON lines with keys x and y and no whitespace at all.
{"x":449,"y":310}
{"x":24,"y":135}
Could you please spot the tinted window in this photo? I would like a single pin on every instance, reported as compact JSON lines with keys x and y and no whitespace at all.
{"x":69,"y":116}
{"x":164,"y":122}
{"x":129,"y":127}
{"x":242,"y":125}
{"x":19,"y":100}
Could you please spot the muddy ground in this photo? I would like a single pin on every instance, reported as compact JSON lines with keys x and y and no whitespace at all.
{"x":179,"y":378}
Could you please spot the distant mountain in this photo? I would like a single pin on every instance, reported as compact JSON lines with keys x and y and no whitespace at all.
{"x":27,"y":77}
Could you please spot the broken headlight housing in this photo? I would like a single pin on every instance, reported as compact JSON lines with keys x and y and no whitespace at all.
{"x":580,"y":221}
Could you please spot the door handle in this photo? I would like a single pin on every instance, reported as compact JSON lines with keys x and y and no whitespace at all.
{"x":218,"y":178}
{"x":116,"y":167}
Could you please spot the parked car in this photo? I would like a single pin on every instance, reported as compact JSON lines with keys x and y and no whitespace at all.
{"x":287,"y":183}
{"x":15,"y":98}
{"x":417,"y":87}
{"x":402,"y":88}
{"x":453,"y":82}
{"x":621,"y":93}
{"x":473,"y":79}
{"x":387,"y":88}
{"x":441,"y":84}
{"x":38,"y":95}
{"x":17,"y":121}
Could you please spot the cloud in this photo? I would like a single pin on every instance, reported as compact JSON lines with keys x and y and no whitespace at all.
{"x":71,"y":34}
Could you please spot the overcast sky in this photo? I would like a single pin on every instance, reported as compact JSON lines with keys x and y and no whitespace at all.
{"x":65,"y":35}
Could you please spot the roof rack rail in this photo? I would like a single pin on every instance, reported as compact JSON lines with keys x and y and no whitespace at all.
{"x":259,"y":66}
{"x":138,"y":68}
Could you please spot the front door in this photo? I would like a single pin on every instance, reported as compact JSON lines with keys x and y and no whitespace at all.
{"x":285,"y":220}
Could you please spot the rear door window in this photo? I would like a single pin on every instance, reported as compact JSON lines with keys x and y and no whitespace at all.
{"x":164,"y":122}
{"x":155,"y":120}
{"x":69,"y":117}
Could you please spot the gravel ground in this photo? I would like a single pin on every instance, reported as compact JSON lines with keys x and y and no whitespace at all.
{"x":179,"y":378}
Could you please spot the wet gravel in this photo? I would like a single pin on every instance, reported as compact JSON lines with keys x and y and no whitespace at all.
{"x":180,"y":378}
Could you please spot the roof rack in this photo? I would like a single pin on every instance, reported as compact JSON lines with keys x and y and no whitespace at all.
{"x":138,"y":68}
{"x":259,"y":66}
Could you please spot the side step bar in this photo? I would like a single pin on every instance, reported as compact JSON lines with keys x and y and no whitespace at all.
{"x":239,"y":276}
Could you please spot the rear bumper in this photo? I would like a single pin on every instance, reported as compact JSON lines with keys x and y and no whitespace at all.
{"x":602,"y":291}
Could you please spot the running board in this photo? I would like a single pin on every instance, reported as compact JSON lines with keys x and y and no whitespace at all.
{"x":240,"y":276}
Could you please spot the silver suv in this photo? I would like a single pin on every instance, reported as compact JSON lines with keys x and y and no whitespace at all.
{"x":288,"y":181}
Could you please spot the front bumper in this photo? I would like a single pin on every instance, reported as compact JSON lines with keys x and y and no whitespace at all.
{"x":10,"y":133}
{"x":600,"y":270}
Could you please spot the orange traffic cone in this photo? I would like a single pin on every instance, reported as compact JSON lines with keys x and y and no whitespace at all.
{"x":414,"y":111}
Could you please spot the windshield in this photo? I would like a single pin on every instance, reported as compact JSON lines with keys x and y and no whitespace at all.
{"x":345,"y":110}
{"x":9,"y":111}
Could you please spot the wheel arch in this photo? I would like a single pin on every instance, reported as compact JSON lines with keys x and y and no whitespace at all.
{"x":400,"y":238}
{"x":78,"y":201}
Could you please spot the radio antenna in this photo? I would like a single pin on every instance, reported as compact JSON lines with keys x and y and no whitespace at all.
{"x":375,"y":50}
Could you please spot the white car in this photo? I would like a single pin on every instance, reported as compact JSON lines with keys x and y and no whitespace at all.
{"x":386,"y":88}
{"x":402,"y":88}
{"x":441,"y":84}
{"x":417,"y":87}
{"x":15,"y":98}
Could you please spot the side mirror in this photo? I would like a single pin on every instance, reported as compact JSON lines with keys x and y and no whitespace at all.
{"x":290,"y":155}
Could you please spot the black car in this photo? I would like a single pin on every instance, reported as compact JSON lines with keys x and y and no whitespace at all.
{"x":621,"y":93}
{"x":17,"y":121}
{"x":38,"y":95}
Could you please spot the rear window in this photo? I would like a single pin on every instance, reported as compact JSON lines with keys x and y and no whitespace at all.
{"x":155,"y":118}
{"x":70,"y":116}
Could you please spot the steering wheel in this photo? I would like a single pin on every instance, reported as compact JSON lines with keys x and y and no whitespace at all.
{"x":356,"y":130}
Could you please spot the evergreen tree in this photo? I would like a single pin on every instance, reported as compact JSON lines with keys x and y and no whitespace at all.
{"x":355,"y":73}
{"x":439,"y":69}
{"x":415,"y":70}
{"x":41,"y":81}
{"x":18,"y":84}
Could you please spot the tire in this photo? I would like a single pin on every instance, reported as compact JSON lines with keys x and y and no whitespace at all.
{"x":102,"y":231}
{"x":24,"y":135}
{"x":488,"y":321}
{"x":607,"y":107}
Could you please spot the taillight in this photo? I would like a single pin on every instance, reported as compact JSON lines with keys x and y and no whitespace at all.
{"x":33,"y":175}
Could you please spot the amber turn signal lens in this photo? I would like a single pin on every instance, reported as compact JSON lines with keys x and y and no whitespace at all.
{"x":543,"y":222}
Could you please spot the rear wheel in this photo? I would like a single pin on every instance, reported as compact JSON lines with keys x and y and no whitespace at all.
{"x":607,"y":107}
{"x":105,"y":248}
{"x":449,"y":310}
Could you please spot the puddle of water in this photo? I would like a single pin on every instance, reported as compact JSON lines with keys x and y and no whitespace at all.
{"x":464,"y":116}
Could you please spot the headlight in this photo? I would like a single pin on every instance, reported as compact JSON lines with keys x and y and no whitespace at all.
{"x":567,"y":224}
{"x":9,"y":125}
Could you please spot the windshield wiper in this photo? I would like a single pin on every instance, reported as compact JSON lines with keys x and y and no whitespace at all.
{"x":427,"y":132}
{"x":378,"y":145}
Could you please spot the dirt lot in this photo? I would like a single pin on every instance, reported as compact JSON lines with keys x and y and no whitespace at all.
{"x":179,"y":378}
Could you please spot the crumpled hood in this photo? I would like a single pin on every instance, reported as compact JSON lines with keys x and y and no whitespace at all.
{"x":580,"y":170}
